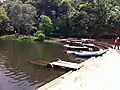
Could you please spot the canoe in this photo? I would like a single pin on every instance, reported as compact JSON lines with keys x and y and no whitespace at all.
{"x":76,"y":47}
{"x":69,"y":52}
{"x":63,"y":40}
{"x":87,"y":40}
{"x":89,"y":45}
{"x":72,"y":48}
{"x":92,"y":46}
{"x":90,"y":54}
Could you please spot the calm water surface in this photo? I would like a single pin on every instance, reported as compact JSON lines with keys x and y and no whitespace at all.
{"x":16,"y":72}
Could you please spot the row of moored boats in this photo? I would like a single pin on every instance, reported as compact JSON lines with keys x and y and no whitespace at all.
{"x":82,"y":48}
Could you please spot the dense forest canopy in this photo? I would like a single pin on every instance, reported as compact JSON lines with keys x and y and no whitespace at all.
{"x":118,"y":1}
{"x":60,"y":17}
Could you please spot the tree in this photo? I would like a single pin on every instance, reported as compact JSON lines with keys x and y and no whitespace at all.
{"x":22,"y":16}
{"x":45,"y":24}
{"x":95,"y":16}
{"x":4,"y":22}
{"x":3,"y":15}
{"x":114,"y":15}
{"x":69,"y":16}
{"x":118,"y":1}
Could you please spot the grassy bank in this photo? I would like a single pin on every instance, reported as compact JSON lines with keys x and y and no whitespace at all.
{"x":28,"y":38}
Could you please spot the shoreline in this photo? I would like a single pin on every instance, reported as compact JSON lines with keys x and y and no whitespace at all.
{"x":99,"y":73}
{"x":29,"y":39}
{"x":46,"y":40}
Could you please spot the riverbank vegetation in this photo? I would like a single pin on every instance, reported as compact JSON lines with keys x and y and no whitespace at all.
{"x":38,"y":36}
{"x":56,"y":18}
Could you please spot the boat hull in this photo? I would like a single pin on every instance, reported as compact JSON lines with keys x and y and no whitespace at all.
{"x":90,"y":54}
{"x":72,"y":48}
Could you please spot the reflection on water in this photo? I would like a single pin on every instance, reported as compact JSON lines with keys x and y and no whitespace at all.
{"x":16,"y":72}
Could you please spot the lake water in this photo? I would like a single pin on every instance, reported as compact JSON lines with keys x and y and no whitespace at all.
{"x":16,"y":71}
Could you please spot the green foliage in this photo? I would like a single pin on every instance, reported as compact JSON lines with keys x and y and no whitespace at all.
{"x":3,"y":14}
{"x":45,"y":19}
{"x":40,"y":36}
{"x":95,"y":16}
{"x":22,"y":16}
{"x":84,"y":5}
{"x":45,"y":24}
{"x":9,"y":37}
{"x":60,"y":17}
{"x":19,"y":37}
{"x":27,"y":38}
{"x":118,"y":1}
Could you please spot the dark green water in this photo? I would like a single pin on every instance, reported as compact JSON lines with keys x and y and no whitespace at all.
{"x":16,"y":72}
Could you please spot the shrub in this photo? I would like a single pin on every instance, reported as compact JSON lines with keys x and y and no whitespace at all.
{"x":10,"y":37}
{"x":20,"y":37}
{"x":40,"y":36}
{"x":24,"y":38}
{"x":27,"y":38}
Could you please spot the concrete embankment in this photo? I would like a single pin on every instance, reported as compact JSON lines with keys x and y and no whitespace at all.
{"x":101,"y":73}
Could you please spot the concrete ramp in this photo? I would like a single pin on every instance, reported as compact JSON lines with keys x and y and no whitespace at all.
{"x":101,"y":73}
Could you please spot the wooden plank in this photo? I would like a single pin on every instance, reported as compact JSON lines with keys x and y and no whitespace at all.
{"x":54,"y":82}
{"x":59,"y":63}
{"x":40,"y":62}
{"x":65,"y":64}
{"x":69,"y":64}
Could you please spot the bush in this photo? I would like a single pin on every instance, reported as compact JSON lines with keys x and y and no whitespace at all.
{"x":40,"y":36}
{"x":20,"y":37}
{"x":27,"y":38}
{"x":24,"y":38}
{"x":10,"y":37}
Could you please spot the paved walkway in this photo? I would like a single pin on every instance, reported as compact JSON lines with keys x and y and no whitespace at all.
{"x":118,"y":51}
{"x":102,"y":73}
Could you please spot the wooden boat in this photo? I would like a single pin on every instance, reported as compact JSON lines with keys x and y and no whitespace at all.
{"x":89,"y":45}
{"x":90,"y":54}
{"x":87,"y":40}
{"x":70,"y":52}
{"x":63,"y":40}
{"x":75,"y":46}
{"x":92,"y":46}
{"x":67,"y":40}
{"x":81,"y":46}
